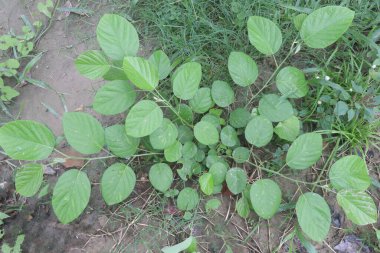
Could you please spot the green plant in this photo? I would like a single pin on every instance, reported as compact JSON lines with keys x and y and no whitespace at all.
{"x":189,"y":131}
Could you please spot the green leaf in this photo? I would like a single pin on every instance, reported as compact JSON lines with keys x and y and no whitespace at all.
{"x":202,"y":101}
{"x":188,"y":245}
{"x":242,"y":207}
{"x":117,"y":183}
{"x":117,"y":37}
{"x":265,"y":195}
{"x":275,"y":108}
{"x":229,"y":136}
{"x":143,"y":119}
{"x":26,"y":140}
{"x":259,"y":131}
{"x":222,"y":93}
{"x":326,"y":25}
{"x":241,"y":154}
{"x":186,"y":80}
{"x":161,"y":176}
{"x":358,"y":206}
{"x":291,"y":82}
{"x":304,"y":151}
{"x":350,"y":173}
{"x":218,"y":171}
{"x":92,"y":64}
{"x":164,"y":136}
{"x":236,"y":179}
{"x":212,"y":204}
{"x":288,"y":129}
{"x":187,"y":199}
{"x":114,"y":97}
{"x":243,"y":69}
{"x":29,"y":179}
{"x":206,"y":182}
{"x":206,"y":133}
{"x":341,"y":108}
{"x":174,"y":152}
{"x":71,"y":195}
{"x":119,"y":143}
{"x":264,"y":35}
{"x":162,"y":62}
{"x":298,"y":20}
{"x":239,"y":117}
{"x":314,"y":217}
{"x":141,"y":72}
{"x":83,"y":132}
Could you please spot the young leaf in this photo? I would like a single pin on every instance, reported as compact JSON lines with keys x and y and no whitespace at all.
{"x":202,"y":101}
{"x":275,"y":108}
{"x":358,"y":206}
{"x":206,"y":182}
{"x":188,"y":245}
{"x":241,"y":154}
{"x":71,"y":195}
{"x":174,"y":152}
{"x":26,"y":140}
{"x":350,"y":173}
{"x":229,"y":136}
{"x":218,"y":171}
{"x":243,"y":69}
{"x":117,"y":37}
{"x":29,"y":179}
{"x":265,"y":195}
{"x":114,"y":97}
{"x":222,"y":93}
{"x":206,"y":133}
{"x":164,"y":136}
{"x":187,"y":199}
{"x":119,"y":143}
{"x":326,"y":25}
{"x":162,"y":62}
{"x":288,"y":129}
{"x":314,"y":217}
{"x":92,"y":64}
{"x":186,"y":80}
{"x":242,"y":207}
{"x":239,"y":117}
{"x":264,"y":35}
{"x":304,"y":151}
{"x":141,"y":73}
{"x":291,"y":82}
{"x":143,"y":119}
{"x":161,"y":177}
{"x":117,"y":183}
{"x":83,"y":132}
{"x":259,"y":131}
{"x":236,"y":179}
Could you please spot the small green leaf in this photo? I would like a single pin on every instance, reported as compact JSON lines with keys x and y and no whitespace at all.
{"x":161,"y":176}
{"x":162,"y":62}
{"x":265,"y":195}
{"x":201,"y":102}
{"x":241,"y":154}
{"x":243,"y":69}
{"x":218,"y":171}
{"x":222,"y":93}
{"x":206,"y":182}
{"x":239,"y":117}
{"x":117,"y":183}
{"x":206,"y":133}
{"x":291,"y":82}
{"x":275,"y":108}
{"x":186,"y":80}
{"x":29,"y":179}
{"x":264,"y":35}
{"x":212,"y":204}
{"x":141,"y":73}
{"x":187,"y":199}
{"x":119,"y":143}
{"x":259,"y":131}
{"x":92,"y":64}
{"x":174,"y":152}
{"x":288,"y":129}
{"x":229,"y":136}
{"x":236,"y":179}
{"x":164,"y":136}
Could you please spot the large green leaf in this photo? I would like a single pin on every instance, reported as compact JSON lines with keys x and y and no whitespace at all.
{"x":264,"y":35}
{"x":141,"y":72}
{"x":119,"y":143}
{"x":206,"y":133}
{"x":358,"y":206}
{"x":143,"y":119}
{"x":114,"y":97}
{"x":117,"y":183}
{"x":202,"y":101}
{"x":26,"y":140}
{"x":188,"y":199}
{"x":222,"y":93}
{"x":288,"y":129}
{"x":117,"y":37}
{"x":83,"y":132}
{"x":326,"y":25}
{"x":236,"y":179}
{"x":188,"y":245}
{"x":92,"y":64}
{"x":304,"y":151}
{"x":71,"y":195}
{"x":275,"y":108}
{"x":291,"y":82}
{"x":174,"y":152}
{"x":243,"y":69}
{"x":259,"y":131}
{"x":186,"y":80}
{"x":164,"y":136}
{"x":350,"y":173}
{"x":206,"y":182}
{"x":265,"y":195}
{"x":162,"y":62}
{"x":29,"y":179}
{"x":314,"y":216}
{"x":161,"y":176}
